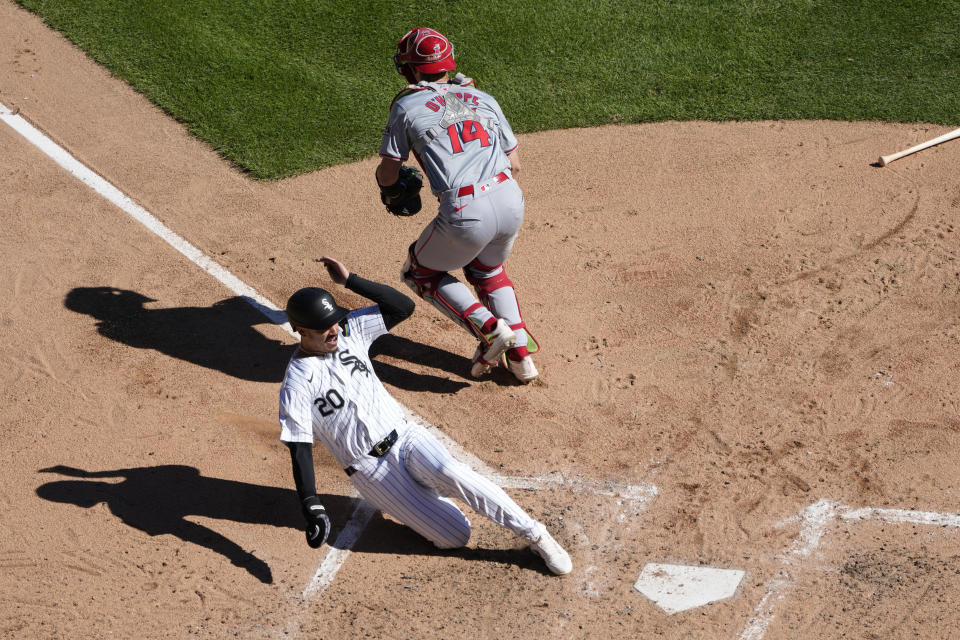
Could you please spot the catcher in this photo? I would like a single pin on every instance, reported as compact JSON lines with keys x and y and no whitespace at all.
{"x":464,"y":144}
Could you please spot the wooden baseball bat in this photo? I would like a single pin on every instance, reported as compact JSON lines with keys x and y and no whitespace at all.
{"x":950,"y":135}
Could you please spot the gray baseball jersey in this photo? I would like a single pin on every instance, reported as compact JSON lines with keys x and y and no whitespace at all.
{"x":458,"y":133}
{"x":338,"y":398}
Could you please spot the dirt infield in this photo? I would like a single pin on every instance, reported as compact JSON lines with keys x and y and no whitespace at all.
{"x":749,"y":317}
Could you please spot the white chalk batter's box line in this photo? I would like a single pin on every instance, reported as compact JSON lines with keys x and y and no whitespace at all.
{"x":814,"y":521}
{"x":638,"y":495}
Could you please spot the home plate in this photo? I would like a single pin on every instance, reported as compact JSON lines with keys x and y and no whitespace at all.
{"x":675,"y":587}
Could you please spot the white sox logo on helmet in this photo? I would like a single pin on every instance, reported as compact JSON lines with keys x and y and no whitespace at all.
{"x":326,"y":305}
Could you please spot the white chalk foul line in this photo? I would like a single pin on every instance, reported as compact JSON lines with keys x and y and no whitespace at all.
{"x":814,"y":521}
{"x":361,"y":515}
{"x":96,"y":182}
{"x":339,"y":550}
{"x":347,"y":538}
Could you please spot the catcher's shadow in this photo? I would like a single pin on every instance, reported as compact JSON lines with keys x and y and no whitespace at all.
{"x":158,"y":500}
{"x":400,"y":348}
{"x":220,"y":337}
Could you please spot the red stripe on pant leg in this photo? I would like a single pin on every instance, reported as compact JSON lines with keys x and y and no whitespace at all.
{"x":433,"y":228}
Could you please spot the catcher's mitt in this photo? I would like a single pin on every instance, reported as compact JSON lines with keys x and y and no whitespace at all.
{"x":402,"y":198}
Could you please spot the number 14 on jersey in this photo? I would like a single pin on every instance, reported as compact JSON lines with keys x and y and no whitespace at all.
{"x":472,"y":130}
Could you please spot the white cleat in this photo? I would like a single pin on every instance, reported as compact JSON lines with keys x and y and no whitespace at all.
{"x":479,"y":367}
{"x":486,"y":356}
{"x":558,"y":561}
{"x":524,"y":370}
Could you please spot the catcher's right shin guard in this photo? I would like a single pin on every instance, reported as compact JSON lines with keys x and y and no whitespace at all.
{"x":426,"y":283}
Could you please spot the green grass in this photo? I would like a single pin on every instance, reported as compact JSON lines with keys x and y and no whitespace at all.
{"x":283,"y":87}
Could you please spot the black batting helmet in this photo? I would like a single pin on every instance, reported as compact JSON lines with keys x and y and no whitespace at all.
{"x":314,"y":308}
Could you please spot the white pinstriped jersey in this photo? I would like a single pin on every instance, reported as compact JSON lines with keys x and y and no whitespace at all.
{"x":337,"y":397}
{"x":466,"y":152}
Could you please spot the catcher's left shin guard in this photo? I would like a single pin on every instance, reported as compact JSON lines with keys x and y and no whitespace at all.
{"x":426,"y":284}
{"x":486,"y":280}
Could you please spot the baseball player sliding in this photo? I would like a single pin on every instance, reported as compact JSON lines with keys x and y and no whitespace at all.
{"x":330,"y":391}
{"x":466,"y":147}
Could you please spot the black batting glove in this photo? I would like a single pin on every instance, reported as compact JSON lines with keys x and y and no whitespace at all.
{"x":318,"y":524}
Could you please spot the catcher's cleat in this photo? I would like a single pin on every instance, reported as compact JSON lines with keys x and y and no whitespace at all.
{"x":523,"y":369}
{"x":558,"y":561}
{"x":479,"y":367}
{"x":487,"y":355}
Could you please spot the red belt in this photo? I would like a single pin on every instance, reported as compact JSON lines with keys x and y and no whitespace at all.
{"x":468,"y":190}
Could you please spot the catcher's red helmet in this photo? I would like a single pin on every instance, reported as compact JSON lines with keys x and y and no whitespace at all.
{"x":428,"y":50}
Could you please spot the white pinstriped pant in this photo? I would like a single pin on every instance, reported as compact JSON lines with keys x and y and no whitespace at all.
{"x":414,"y":480}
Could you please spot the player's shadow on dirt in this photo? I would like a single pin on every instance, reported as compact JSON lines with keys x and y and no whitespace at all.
{"x":158,"y":500}
{"x":221,"y":337}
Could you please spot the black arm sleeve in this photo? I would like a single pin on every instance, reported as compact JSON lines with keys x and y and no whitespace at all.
{"x":301,"y":454}
{"x":394,"y":306}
